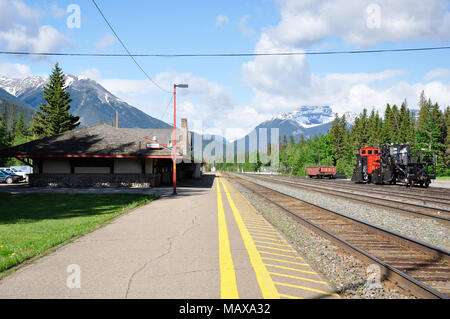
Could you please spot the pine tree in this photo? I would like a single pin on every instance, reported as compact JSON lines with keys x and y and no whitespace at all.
{"x":404,"y":134}
{"x":54,"y":117}
{"x":374,"y":129}
{"x":291,"y":141}
{"x":447,"y":141}
{"x":3,"y":141}
{"x":21,"y":128}
{"x":387,"y":130}
{"x":430,"y":134}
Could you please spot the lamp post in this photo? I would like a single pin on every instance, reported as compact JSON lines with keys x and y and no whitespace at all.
{"x":174,"y":144}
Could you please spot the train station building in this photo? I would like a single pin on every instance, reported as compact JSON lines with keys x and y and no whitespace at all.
{"x":106,"y":156}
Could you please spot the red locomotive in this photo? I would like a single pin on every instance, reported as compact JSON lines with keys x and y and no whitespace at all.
{"x":390,"y":164}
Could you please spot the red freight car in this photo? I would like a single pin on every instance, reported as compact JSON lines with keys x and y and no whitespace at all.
{"x":321,"y":171}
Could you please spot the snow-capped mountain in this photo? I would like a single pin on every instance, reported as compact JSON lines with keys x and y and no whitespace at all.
{"x":17,"y":87}
{"x":308,"y":116}
{"x":90,"y":101}
{"x":312,"y":116}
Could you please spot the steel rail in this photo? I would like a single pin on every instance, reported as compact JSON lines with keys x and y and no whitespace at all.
{"x":350,"y":196}
{"x":389,"y":272}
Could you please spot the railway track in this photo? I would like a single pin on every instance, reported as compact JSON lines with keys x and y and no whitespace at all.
{"x":437,"y":213}
{"x":419,"y":267}
{"x":438,"y":194}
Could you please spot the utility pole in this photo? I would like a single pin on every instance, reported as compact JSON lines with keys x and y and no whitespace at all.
{"x":174,"y":143}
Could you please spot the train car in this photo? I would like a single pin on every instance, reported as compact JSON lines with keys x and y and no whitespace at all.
{"x":321,"y":171}
{"x":391,"y":164}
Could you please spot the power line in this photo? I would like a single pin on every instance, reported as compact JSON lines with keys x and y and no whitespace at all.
{"x":219,"y":54}
{"x":126,"y":49}
{"x":167,"y":107}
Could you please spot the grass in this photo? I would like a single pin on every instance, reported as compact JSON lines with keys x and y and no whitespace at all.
{"x":443,"y":178}
{"x":31,"y":224}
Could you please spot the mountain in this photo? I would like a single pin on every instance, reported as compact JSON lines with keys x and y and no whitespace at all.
{"x":308,"y":116}
{"x":90,"y":101}
{"x":10,"y":101}
{"x":308,"y":121}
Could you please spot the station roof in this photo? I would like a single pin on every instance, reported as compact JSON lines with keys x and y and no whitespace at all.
{"x":96,"y":141}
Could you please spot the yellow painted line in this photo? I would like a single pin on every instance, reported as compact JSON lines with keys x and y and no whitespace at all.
{"x":285,"y":261}
{"x":275,"y":248}
{"x":258,"y":232}
{"x":252,"y":219}
{"x":228,"y":286}
{"x":290,"y":297}
{"x":270,"y":238}
{"x":294,"y":269}
{"x":262,"y":225}
{"x":266,"y":252}
{"x":256,"y":220}
{"x":300,"y":278}
{"x":267,"y":231}
{"x":307,"y":288}
{"x":266,"y":284}
{"x":267,"y":242}
{"x":248,"y":223}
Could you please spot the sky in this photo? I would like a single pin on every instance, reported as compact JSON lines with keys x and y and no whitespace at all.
{"x":231,"y":95}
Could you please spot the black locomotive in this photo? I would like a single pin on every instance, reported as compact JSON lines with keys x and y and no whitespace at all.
{"x":391,"y":164}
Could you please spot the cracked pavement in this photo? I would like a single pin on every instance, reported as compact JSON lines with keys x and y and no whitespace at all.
{"x":166,"y":249}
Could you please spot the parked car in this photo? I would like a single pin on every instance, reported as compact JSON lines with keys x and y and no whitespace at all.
{"x":9,"y":178}
{"x":19,"y":172}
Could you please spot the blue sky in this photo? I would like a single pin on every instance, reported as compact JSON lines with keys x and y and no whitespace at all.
{"x":232,"y":95}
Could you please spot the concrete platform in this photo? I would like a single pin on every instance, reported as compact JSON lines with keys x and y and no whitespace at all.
{"x":207,"y":242}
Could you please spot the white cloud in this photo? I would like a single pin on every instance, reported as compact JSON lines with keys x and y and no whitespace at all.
{"x":242,"y":24}
{"x":437,"y":73}
{"x":307,"y":22}
{"x":221,"y":20}
{"x":105,"y":41}
{"x":282,"y":83}
{"x":56,"y":11}
{"x":20,"y":29}
{"x":92,"y":73}
{"x":14,"y":70}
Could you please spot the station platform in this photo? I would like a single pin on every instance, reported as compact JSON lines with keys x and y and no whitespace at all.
{"x":208,"y":242}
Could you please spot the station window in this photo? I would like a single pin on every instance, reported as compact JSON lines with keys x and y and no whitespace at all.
{"x":375,"y":151}
{"x":363,"y":152}
{"x":369,"y":152}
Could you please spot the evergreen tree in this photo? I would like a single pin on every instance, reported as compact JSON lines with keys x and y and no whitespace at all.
{"x":447,"y":141}
{"x":395,"y":123}
{"x":387,"y":130}
{"x":54,"y":117}
{"x":21,"y":128}
{"x":291,"y":141}
{"x":338,"y":137}
{"x":430,"y":134}
{"x":3,"y":141}
{"x":404,"y":134}
{"x":374,"y":129}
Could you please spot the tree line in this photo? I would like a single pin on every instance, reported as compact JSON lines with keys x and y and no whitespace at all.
{"x":425,"y":129}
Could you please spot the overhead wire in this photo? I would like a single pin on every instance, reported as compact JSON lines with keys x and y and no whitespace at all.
{"x":181,"y":55}
{"x":126,"y":49}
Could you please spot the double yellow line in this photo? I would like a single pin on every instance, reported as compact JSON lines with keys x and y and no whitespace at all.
{"x":227,"y":272}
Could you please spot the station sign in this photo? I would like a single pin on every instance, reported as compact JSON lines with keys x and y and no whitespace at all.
{"x":153,"y":145}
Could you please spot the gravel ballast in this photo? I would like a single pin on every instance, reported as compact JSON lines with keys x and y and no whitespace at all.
{"x":422,"y":229}
{"x":346,"y":273}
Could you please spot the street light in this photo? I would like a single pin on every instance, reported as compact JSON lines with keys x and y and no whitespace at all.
{"x":174,"y":144}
